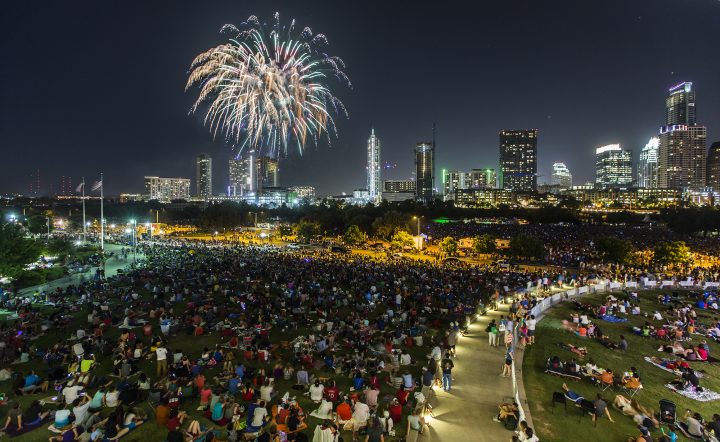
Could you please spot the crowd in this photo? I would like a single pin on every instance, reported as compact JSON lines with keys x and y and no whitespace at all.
{"x":246,"y":343}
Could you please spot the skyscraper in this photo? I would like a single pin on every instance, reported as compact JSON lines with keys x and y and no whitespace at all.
{"x":424,"y":172}
{"x":713,"y":166}
{"x":373,"y":167}
{"x":613,"y":167}
{"x":267,"y":172}
{"x":518,"y":160}
{"x":647,"y":173}
{"x":561,"y":176}
{"x":167,"y":189}
{"x":453,"y":180}
{"x":236,"y":177}
{"x":203,"y":176}
{"x":682,"y":147}
{"x":480,"y":179}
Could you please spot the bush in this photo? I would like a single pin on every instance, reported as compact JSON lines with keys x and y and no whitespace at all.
{"x":29,"y":278}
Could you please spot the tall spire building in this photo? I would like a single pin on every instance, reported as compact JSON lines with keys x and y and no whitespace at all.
{"x":203,"y":176}
{"x":373,"y":168}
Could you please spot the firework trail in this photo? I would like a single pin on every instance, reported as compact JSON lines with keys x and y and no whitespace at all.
{"x":266,"y":90}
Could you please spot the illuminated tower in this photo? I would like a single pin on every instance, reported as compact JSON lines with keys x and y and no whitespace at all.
{"x":613,"y":167}
{"x":424,"y":172}
{"x":203,"y":176}
{"x":518,"y":160}
{"x":373,"y":167}
{"x":647,"y":173}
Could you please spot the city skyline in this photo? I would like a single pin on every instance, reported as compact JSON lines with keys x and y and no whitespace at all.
{"x":567,"y":101}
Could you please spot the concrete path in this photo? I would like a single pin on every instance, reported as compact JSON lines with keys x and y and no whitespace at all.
{"x":465,"y":413}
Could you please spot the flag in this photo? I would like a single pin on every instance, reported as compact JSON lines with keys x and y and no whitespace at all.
{"x":96,"y":185}
{"x":80,"y":187}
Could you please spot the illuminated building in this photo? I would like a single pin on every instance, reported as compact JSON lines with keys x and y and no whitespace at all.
{"x":713,"y":167}
{"x":452,"y":180}
{"x":236,"y":177}
{"x":481,"y":179}
{"x":398,"y":190}
{"x":470,"y":198}
{"x":167,"y":189}
{"x":613,"y":167}
{"x":250,"y":174}
{"x":267,"y":172}
{"x":203,"y":176}
{"x":561,"y":176}
{"x":518,"y":160}
{"x":424,"y":172}
{"x":647,"y":173}
{"x":681,"y":151}
{"x":373,"y":167}
{"x":303,"y":192}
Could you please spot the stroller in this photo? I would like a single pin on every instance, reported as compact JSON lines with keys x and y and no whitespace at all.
{"x":667,"y":412}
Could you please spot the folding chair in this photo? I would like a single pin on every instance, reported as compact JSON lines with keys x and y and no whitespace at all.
{"x":603,"y":386}
{"x":559,"y":398}
{"x":632,"y":391}
{"x":587,"y":407}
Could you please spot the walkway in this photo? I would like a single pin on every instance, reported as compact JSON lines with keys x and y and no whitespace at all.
{"x":467,"y":410}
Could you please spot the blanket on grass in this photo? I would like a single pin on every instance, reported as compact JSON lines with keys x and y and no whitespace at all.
{"x":649,"y":361}
{"x":700,"y":396}
{"x":612,"y":318}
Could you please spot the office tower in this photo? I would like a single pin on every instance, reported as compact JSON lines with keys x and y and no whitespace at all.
{"x":518,"y":160}
{"x":682,"y":147}
{"x":267,"y":172}
{"x":424,"y":172}
{"x":680,"y":105}
{"x":373,"y":167}
{"x":613,"y":167}
{"x":561,"y":176}
{"x":647,"y":173}
{"x":167,"y":189}
{"x":713,"y":166}
{"x":453,"y":180}
{"x":236,"y":182}
{"x":203,"y":176}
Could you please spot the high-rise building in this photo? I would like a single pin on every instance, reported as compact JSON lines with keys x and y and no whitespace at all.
{"x":303,"y":192}
{"x":613,"y":167}
{"x":682,"y":146}
{"x":561,"y":176}
{"x":203,"y":176}
{"x":424,"y":172}
{"x":647,"y":172}
{"x":167,"y":189}
{"x":453,"y":180}
{"x":481,"y":179}
{"x":713,"y":167}
{"x":242,"y":175}
{"x":373,"y":167}
{"x":518,"y":160}
{"x":267,"y":172}
{"x":680,"y":105}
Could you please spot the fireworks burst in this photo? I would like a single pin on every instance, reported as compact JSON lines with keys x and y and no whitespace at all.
{"x":266,"y":90}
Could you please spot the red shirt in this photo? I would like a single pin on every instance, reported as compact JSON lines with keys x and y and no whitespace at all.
{"x":395,"y":413}
{"x":402,"y":397}
{"x":332,"y":393}
{"x":344,"y":411}
{"x":205,"y":395}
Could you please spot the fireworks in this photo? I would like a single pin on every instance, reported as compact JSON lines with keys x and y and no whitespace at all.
{"x":266,"y":90}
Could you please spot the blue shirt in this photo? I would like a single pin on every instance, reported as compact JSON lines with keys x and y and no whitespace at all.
{"x":31,"y":379}
{"x":217,"y":412}
{"x":233,"y":384}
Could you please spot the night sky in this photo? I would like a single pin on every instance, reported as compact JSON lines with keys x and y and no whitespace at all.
{"x":91,"y":86}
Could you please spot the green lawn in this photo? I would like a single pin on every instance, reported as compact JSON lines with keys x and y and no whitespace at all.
{"x":566,"y":427}
{"x":193,"y":347}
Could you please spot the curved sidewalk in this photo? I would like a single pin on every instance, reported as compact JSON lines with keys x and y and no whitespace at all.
{"x":466,"y":412}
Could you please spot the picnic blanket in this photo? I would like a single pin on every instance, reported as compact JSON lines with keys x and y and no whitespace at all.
{"x":612,"y":318}
{"x":649,"y":360}
{"x":700,"y":396}
{"x":12,"y":432}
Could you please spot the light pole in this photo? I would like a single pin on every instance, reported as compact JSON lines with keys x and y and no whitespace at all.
{"x":134,"y":239}
{"x":418,"y":223}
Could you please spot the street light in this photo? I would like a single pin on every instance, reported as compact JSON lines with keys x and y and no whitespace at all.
{"x":418,"y":218}
{"x":134,"y":239}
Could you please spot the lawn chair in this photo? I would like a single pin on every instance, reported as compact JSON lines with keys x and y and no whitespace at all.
{"x":605,"y":385}
{"x":559,"y":398}
{"x":667,"y":412}
{"x":632,"y":391}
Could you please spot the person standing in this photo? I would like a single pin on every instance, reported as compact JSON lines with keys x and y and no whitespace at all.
{"x":161,"y":355}
{"x":507,"y":365}
{"x":447,"y":366}
{"x":531,"y":324}
{"x":492,"y":330}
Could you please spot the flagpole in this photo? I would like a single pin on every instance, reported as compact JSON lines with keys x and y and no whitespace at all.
{"x":102,"y":216}
{"x":84,"y":222}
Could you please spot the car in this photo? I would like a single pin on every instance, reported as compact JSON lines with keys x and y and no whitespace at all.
{"x":294,"y":246}
{"x":398,"y":255}
{"x":339,"y":249}
{"x":451,"y":259}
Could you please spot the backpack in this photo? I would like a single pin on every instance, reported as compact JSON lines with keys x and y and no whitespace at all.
{"x":510,"y":423}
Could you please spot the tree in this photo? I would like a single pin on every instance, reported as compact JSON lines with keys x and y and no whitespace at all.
{"x":284,"y":230}
{"x":529,"y":247}
{"x":354,"y":236}
{"x":38,"y":224}
{"x":402,"y":239}
{"x":60,"y":246}
{"x":307,"y":230}
{"x":484,"y":244}
{"x":612,"y":249}
{"x":449,"y":246}
{"x":672,"y":253}
{"x":16,"y":251}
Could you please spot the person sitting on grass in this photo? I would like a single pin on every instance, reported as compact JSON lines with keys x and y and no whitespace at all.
{"x":601,"y":408}
{"x":691,"y":425}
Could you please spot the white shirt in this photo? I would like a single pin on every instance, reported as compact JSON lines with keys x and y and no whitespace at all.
{"x":111,"y":398}
{"x":81,"y":413}
{"x":316,"y":392}
{"x":258,"y":416}
{"x":405,"y":359}
{"x":531,"y":324}
{"x":436,"y":353}
{"x":361,"y":412}
{"x":161,"y":353}
{"x":71,"y":393}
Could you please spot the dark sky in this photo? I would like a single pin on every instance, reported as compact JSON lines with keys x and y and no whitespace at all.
{"x":90,"y":86}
